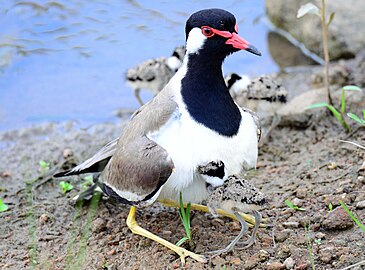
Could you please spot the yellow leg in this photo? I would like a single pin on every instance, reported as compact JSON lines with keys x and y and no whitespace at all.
{"x":198,"y":207}
{"x":135,"y":228}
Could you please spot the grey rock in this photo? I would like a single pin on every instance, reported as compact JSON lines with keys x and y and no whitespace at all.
{"x":289,"y":263}
{"x":360,"y":205}
{"x":346,"y":35}
{"x":337,"y":219}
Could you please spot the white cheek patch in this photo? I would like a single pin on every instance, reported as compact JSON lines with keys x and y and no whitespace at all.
{"x":195,"y":41}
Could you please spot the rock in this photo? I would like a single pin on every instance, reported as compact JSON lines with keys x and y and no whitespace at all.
{"x":291,"y":224}
{"x":294,"y":113}
{"x":326,"y":254}
{"x":337,"y":219}
{"x":275,"y":266}
{"x":289,"y":263}
{"x":284,"y":252}
{"x":346,"y":37}
{"x":251,"y":263}
{"x":263,"y":255}
{"x":297,"y":202}
{"x":361,"y":179}
{"x":99,"y":225}
{"x":360,"y":205}
{"x":43,"y":219}
{"x":281,"y":236}
{"x":301,"y":193}
{"x":235,"y":261}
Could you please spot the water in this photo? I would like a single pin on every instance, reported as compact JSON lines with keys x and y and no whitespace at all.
{"x":66,"y":60}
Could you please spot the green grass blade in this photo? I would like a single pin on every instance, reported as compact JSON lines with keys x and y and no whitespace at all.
{"x":362,"y":227}
{"x":343,"y":102}
{"x":356,"y":118}
{"x":351,"y":88}
{"x":3,"y":206}
{"x":182,"y":241}
{"x":317,"y":105}
{"x":182,"y":210}
{"x":363,"y":113}
{"x":188,"y":216}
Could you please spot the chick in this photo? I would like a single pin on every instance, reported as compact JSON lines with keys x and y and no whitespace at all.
{"x":154,"y":74}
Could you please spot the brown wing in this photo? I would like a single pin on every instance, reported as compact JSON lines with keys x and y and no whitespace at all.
{"x":137,"y":171}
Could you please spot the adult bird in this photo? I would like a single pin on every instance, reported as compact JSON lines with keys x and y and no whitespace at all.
{"x":192,"y":121}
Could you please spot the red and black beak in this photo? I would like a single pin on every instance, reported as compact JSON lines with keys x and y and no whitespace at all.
{"x":233,"y":39}
{"x":239,"y":43}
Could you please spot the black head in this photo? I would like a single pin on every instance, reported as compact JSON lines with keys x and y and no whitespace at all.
{"x":215,"y":30}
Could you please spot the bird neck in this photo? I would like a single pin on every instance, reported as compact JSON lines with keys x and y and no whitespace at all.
{"x":206,"y":95}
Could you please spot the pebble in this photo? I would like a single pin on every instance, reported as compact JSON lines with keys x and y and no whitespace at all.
{"x":43,"y":219}
{"x":284,"y":252}
{"x":303,"y":266}
{"x":291,"y":224}
{"x":263,"y":255}
{"x":337,"y":219}
{"x":112,"y":252}
{"x":360,"y":205}
{"x":302,"y":193}
{"x":67,"y":153}
{"x":361,"y":179}
{"x":251,"y":263}
{"x":320,"y":235}
{"x":99,"y":225}
{"x":326,"y":254}
{"x":298,"y":202}
{"x":235,"y":260}
{"x":275,"y":266}
{"x":289,"y":263}
{"x":281,"y":236}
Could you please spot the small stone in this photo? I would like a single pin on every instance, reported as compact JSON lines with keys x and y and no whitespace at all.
{"x":327,"y":254}
{"x":360,"y":205}
{"x":5,"y":174}
{"x":289,"y":263}
{"x":361,"y":179}
{"x":263,"y":255}
{"x":235,"y":260}
{"x":303,"y":266}
{"x":302,"y":193}
{"x":43,"y":219}
{"x":112,"y":252}
{"x":291,"y":224}
{"x":320,"y":235}
{"x":99,"y":225}
{"x":337,"y":219}
{"x":281,"y":236}
{"x":251,"y":263}
{"x":275,"y":266}
{"x":297,"y":202}
{"x":284,"y":252}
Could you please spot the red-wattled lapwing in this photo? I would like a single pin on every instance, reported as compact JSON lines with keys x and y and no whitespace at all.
{"x":191,"y":122}
{"x":154,"y":74}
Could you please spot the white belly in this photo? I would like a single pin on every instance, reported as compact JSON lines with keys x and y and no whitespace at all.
{"x":191,"y":144}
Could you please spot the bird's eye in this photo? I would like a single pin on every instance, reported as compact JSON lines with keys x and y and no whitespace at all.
{"x":207,"y":31}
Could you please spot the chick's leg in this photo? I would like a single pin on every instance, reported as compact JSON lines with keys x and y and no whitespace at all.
{"x":244,"y":229}
{"x":135,"y":228}
{"x":250,"y":241}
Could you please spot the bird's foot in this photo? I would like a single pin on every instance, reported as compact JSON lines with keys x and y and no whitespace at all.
{"x":182,"y":252}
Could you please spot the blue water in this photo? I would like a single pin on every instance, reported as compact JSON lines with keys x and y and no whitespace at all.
{"x":66,"y":60}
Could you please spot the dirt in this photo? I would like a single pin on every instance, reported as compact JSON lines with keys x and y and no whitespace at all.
{"x":45,"y":229}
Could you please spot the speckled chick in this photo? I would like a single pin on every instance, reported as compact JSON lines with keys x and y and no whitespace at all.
{"x":234,"y":196}
{"x":154,"y":74}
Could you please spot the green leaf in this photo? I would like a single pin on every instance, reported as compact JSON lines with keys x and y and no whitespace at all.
{"x":182,"y":241}
{"x":188,"y":220}
{"x":317,"y":105}
{"x":3,"y":206}
{"x":331,"y":18}
{"x":292,"y":206}
{"x":351,"y":88}
{"x":182,"y":210}
{"x":44,"y":164}
{"x":362,"y":227}
{"x":308,"y":8}
{"x":330,"y":206}
{"x":356,"y":118}
{"x":343,"y":102}
{"x":66,"y":186}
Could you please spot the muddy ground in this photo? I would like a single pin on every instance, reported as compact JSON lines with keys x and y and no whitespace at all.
{"x":44,"y":229}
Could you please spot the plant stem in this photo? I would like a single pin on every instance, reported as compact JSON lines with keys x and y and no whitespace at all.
{"x":325,"y":52}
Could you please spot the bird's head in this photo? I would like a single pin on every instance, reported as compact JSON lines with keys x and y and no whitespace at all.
{"x":216,"y":31}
